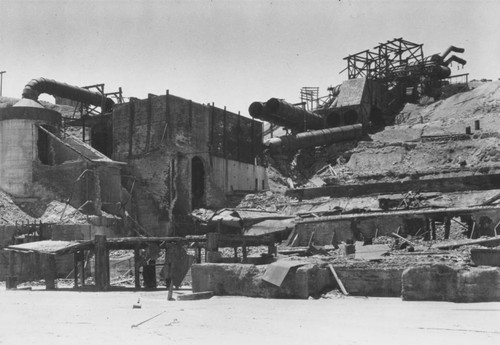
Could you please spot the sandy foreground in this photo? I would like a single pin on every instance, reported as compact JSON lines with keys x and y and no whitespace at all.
{"x":71,"y":317}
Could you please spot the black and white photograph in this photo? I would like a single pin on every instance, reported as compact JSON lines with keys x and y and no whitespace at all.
{"x":250,"y":172}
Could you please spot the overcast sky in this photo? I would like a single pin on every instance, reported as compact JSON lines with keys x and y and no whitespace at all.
{"x":229,"y":52}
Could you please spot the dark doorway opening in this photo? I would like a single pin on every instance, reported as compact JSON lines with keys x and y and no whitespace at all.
{"x":102,"y":138}
{"x":43,"y":145}
{"x":197,"y":183}
{"x":333,"y":119}
{"x":350,"y":117}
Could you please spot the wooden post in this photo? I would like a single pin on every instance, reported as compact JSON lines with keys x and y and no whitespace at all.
{"x":84,"y":264}
{"x":171,"y":285}
{"x":50,"y":272}
{"x":213,"y":241}
{"x":311,"y":239}
{"x":198,"y":259}
{"x":244,"y":250}
{"x":337,"y":279}
{"x":108,"y":275}
{"x":447,"y":226}
{"x":271,"y":249}
{"x":137,"y":278}
{"x":427,"y":229}
{"x":148,"y":130}
{"x":75,"y":268}
{"x":131,"y":127}
{"x":433,"y":229}
{"x":101,"y":266}
{"x":235,"y":252}
{"x":11,"y":279}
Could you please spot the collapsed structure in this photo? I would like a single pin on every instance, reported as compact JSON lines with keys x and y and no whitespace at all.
{"x":142,"y":165}
{"x":387,"y":157}
{"x":373,"y":165}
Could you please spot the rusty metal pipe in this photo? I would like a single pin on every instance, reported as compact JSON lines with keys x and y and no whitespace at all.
{"x":456,"y":59}
{"x":320,"y":137}
{"x":257,"y":110}
{"x":451,"y":49}
{"x":42,"y":85}
{"x":296,"y":116}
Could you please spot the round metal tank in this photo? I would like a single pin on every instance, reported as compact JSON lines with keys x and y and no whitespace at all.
{"x":18,"y":144}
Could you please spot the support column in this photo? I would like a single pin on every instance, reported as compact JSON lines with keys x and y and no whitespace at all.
{"x":50,"y":272}
{"x":101,"y":263}
{"x":137,"y":278}
{"x":244,"y":252}
{"x":447,"y":226}
{"x":433,"y":228}
{"x":84,"y":263}
{"x":11,"y":279}
{"x":76,"y":256}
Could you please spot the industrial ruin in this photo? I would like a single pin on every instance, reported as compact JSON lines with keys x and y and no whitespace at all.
{"x":388,"y":185}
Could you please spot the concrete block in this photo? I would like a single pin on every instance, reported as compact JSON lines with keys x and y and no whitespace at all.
{"x":447,"y":283}
{"x":246,"y":280}
{"x":379,"y":282}
{"x":195,"y":296}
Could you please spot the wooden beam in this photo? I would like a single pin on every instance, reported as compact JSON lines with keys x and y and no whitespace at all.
{"x":101,"y":263}
{"x":488,"y":241}
{"x":137,"y":278}
{"x":337,"y":279}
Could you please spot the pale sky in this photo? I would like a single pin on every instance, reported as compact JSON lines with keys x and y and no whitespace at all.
{"x":229,"y":52}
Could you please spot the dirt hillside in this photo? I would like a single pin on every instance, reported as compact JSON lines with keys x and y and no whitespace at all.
{"x":428,"y":141}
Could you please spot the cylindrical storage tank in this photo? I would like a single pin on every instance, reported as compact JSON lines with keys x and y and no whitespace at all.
{"x":19,"y":144}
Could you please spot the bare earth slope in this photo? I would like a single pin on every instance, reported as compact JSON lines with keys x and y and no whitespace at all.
{"x":432,"y":140}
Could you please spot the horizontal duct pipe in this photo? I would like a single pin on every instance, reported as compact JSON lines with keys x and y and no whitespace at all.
{"x":456,"y":59}
{"x":257,"y":110}
{"x":451,"y":49}
{"x":320,"y":137}
{"x":42,"y":85}
{"x":284,"y":114}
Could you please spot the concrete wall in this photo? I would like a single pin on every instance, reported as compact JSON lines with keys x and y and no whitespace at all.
{"x":232,"y":175}
{"x":17,"y":151}
{"x":159,"y":137}
{"x":18,"y":145}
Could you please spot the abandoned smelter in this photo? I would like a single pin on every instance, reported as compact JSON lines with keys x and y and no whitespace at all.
{"x":387,"y":186}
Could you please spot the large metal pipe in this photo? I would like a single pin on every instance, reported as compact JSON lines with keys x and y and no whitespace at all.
{"x":451,"y":49}
{"x":258,"y":111}
{"x":320,"y":137}
{"x":284,"y":114}
{"x":293,"y":114}
{"x":456,"y":59}
{"x":42,"y":85}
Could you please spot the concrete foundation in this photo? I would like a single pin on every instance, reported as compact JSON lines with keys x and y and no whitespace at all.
{"x":301,"y":282}
{"x":447,"y":283}
{"x":246,"y":280}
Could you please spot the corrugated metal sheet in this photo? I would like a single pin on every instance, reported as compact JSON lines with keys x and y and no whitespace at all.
{"x":270,"y":226}
{"x":277,"y":271}
{"x":49,"y":247}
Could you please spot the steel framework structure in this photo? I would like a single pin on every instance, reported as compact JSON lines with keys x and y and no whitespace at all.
{"x":394,"y":59}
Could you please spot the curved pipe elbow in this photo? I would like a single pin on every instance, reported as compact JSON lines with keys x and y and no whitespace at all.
{"x":39,"y":86}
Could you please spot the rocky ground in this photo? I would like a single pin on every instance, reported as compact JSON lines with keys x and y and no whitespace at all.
{"x":428,"y":139}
